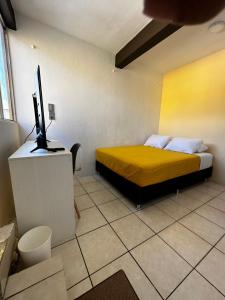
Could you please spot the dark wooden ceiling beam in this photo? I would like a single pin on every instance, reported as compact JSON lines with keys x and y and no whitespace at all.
{"x":7,"y":14}
{"x":151,"y":35}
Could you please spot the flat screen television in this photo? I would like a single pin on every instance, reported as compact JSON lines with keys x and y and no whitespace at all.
{"x":41,"y":140}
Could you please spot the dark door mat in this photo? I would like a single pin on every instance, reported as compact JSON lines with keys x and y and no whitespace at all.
{"x":116,"y":287}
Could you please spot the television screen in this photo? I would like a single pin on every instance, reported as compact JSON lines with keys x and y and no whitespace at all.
{"x":40,"y":117}
{"x":39,"y":113}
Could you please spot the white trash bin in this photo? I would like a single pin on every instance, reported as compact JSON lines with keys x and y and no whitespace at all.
{"x":35,"y":245}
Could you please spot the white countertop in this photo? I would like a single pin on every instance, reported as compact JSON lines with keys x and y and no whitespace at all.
{"x":25,"y":150}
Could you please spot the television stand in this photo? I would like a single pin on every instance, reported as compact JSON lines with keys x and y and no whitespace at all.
{"x":43,"y":144}
{"x":48,"y":149}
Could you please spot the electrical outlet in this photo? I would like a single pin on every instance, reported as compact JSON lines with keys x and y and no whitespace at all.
{"x":51,"y":110}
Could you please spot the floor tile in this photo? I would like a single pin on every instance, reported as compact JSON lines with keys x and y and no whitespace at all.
{"x":138,"y":280}
{"x":155,"y":218}
{"x":86,"y":179}
{"x":75,"y":181}
{"x":132,"y":231}
{"x":213,"y":269}
{"x":116,"y":192}
{"x":195,"y":287}
{"x":215,"y":186}
{"x":90,"y":219}
{"x":173,"y":209}
{"x":30,"y":276}
{"x":51,"y":288}
{"x":93,"y":186}
{"x":100,"y":247}
{"x":221,"y":245}
{"x":162,"y":265}
{"x":222,"y":196}
{"x":212,"y":214}
{"x":204,"y":228}
{"x":74,"y":266}
{"x":102,"y":196}
{"x":191,"y":247}
{"x":106,"y":183}
{"x":207,"y":190}
{"x":79,"y":289}
{"x":195,"y":193}
{"x":97,"y":176}
{"x":79,"y":191}
{"x":217,"y":203}
{"x":186,"y":201}
{"x":84,"y":202}
{"x":130,"y":204}
{"x":114,"y":210}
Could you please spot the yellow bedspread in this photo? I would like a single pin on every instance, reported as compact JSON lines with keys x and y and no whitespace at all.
{"x":147,"y":165}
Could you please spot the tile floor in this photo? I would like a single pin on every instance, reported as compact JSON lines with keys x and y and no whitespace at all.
{"x":173,"y":248}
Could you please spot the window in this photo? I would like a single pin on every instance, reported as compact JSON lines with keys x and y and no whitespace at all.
{"x":6,"y":95}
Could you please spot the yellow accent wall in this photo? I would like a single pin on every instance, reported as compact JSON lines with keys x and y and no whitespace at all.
{"x":193,"y":105}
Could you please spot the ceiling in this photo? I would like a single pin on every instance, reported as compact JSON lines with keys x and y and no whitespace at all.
{"x":108,"y":24}
{"x":184,"y":46}
{"x":111,"y":24}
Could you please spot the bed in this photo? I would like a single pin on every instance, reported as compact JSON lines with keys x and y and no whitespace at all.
{"x":143,"y":173}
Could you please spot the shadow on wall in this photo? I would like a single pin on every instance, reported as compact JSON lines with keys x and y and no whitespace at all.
{"x":9,"y":142}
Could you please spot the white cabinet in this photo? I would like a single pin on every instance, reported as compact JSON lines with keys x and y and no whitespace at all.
{"x":43,"y":191}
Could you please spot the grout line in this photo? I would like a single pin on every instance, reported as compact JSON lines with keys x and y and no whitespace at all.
{"x":209,"y":282}
{"x":77,"y":283}
{"x":191,"y":211}
{"x":180,"y":254}
{"x":109,"y":263}
{"x":123,"y":253}
{"x":145,"y":275}
{"x":157,"y":234}
{"x":94,"y":204}
{"x":149,"y":238}
{"x":130,"y":213}
{"x":89,"y":192}
{"x":78,"y":236}
{"x":106,"y":202}
{"x":175,"y":220}
{"x":84,"y":261}
{"x":194,"y":268}
{"x":188,"y":274}
{"x":129,"y":252}
{"x":197,"y":213}
{"x":64,"y":243}
{"x":219,"y":249}
{"x":86,"y":208}
{"x":36,"y":283}
{"x":197,"y":234}
{"x":216,"y":208}
{"x":214,"y":247}
{"x":107,"y":223}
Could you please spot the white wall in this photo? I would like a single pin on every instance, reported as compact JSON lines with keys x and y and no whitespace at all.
{"x":94,"y":106}
{"x":9,"y":142}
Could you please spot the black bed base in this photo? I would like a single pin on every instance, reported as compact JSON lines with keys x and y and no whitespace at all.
{"x":141,"y":195}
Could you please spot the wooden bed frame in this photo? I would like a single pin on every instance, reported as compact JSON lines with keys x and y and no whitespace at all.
{"x":141,"y":195}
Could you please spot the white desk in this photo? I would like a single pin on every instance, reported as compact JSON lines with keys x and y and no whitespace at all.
{"x":43,"y":191}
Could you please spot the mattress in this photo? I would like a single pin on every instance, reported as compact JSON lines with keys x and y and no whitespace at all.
{"x":206,"y":160}
{"x":147,"y":165}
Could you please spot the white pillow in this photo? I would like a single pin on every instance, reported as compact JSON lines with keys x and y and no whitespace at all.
{"x":185,"y":145}
{"x":203,"y":148}
{"x":157,"y":141}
